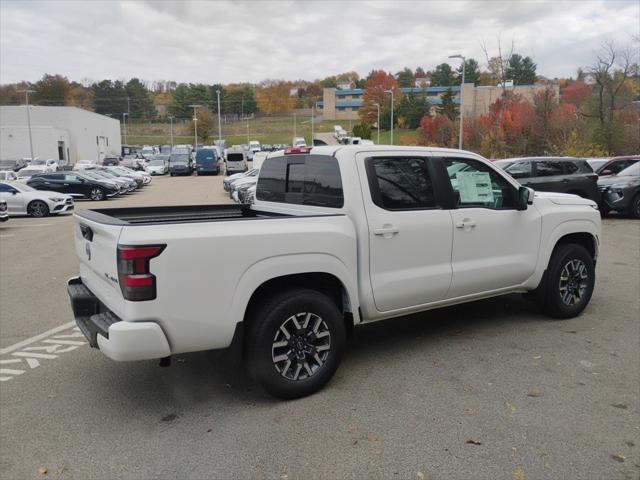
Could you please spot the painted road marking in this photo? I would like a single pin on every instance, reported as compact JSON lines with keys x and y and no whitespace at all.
{"x":26,"y":357}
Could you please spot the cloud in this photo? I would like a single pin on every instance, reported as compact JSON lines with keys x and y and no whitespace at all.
{"x":211,"y":42}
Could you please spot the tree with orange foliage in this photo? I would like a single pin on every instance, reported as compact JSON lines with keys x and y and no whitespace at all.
{"x":274,"y":96}
{"x":374,"y":92}
{"x":437,"y":131}
{"x":576,"y":92}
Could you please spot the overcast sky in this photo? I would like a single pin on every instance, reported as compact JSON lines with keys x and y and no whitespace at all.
{"x":237,"y":41}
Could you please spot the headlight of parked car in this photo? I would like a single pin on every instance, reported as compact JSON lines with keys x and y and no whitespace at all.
{"x":56,"y":199}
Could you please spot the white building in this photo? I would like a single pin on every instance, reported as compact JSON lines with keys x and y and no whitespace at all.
{"x":67,"y":134}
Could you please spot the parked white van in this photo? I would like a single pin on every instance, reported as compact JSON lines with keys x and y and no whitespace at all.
{"x":236,"y":160}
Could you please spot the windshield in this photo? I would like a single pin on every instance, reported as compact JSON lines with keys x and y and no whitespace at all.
{"x":156,"y":162}
{"x":22,"y":187}
{"x":27,"y":173}
{"x":596,"y":164}
{"x":180,"y":159}
{"x":38,"y":162}
{"x":180,"y":151}
{"x":91,"y":175}
{"x":631,"y":171}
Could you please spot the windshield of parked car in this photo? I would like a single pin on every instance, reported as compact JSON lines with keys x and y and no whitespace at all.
{"x":22,"y":187}
{"x":91,"y":175}
{"x":631,"y":171}
{"x":157,"y":162}
{"x":596,"y":164}
{"x":180,"y":159}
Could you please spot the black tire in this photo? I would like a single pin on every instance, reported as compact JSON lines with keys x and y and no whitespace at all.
{"x":315,"y":314}
{"x":171,"y":174}
{"x":38,"y":209}
{"x":634,"y":209}
{"x":97,"y":194}
{"x":563,"y":292}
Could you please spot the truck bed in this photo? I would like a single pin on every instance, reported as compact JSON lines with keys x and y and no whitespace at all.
{"x":174,"y":214}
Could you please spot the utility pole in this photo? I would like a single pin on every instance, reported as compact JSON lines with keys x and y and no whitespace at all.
{"x":219,"y":120}
{"x":195,"y":127}
{"x":26,"y":96}
{"x":124,"y":125}
{"x":247,"y":131}
{"x":313,"y":110}
{"x":464,"y":61}
{"x":391,"y":92}
{"x":171,"y":129}
{"x":378,"y":124}
{"x":294,"y":125}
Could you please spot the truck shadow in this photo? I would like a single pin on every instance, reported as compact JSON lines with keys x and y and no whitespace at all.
{"x":219,"y":378}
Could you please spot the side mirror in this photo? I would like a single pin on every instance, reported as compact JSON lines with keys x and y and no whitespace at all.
{"x":14,"y":192}
{"x":525,"y":197}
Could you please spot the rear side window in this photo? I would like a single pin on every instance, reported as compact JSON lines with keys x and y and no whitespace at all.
{"x":520,"y":169}
{"x":302,"y":180}
{"x":399,"y":183}
{"x":549,"y":168}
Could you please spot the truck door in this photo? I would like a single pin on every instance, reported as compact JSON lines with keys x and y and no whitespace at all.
{"x":495,"y":245}
{"x":410,"y":236}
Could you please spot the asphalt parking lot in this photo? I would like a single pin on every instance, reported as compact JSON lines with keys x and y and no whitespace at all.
{"x":490,"y":390}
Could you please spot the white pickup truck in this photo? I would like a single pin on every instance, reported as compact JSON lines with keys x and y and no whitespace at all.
{"x":338,"y":236}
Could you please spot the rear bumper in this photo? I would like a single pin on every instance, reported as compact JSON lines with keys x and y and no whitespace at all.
{"x":117,"y":339}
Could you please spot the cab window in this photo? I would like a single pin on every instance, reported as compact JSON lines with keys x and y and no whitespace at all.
{"x":475,"y":184}
{"x":399,"y":183}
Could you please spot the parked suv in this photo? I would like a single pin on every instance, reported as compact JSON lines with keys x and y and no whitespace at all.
{"x":612,"y":166}
{"x":554,"y":174}
{"x":621,"y":192}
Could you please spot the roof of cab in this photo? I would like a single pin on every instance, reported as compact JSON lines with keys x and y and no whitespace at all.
{"x":334,"y":149}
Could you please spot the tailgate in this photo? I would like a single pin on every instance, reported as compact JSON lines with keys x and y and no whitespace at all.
{"x":96,"y":247}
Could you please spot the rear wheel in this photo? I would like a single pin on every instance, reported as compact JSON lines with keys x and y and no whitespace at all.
{"x":38,"y":208}
{"x":295,"y":343}
{"x":567,"y":285}
{"x":97,"y":194}
{"x":635,"y":206}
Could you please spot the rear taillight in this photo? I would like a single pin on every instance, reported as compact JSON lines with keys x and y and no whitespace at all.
{"x":297,"y":150}
{"x":136,"y":281}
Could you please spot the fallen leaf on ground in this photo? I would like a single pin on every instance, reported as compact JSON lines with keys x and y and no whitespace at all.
{"x":372,"y":438}
{"x":42,"y":470}
{"x":537,"y":357}
{"x":536,"y":392}
{"x":352,"y":429}
{"x":420,"y":476}
{"x":619,"y":405}
{"x":471,"y":412}
{"x":617,"y":457}
{"x":471,"y":441}
{"x":259,"y":467}
{"x":467,"y":387}
{"x":518,"y":474}
{"x":276,"y":418}
{"x":355,"y":442}
{"x":376,"y":451}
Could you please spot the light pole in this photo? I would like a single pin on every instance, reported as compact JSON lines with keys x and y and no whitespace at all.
{"x":124,"y":124}
{"x":219,"y":121}
{"x":391,"y":92}
{"x":378,"y":123}
{"x":195,"y":127}
{"x":294,"y":125}
{"x":464,"y":61}
{"x":26,"y":96}
{"x":171,"y":117}
{"x":313,"y":113}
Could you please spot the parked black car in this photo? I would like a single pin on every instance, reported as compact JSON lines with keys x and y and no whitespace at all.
{"x":111,"y":160}
{"x":554,"y":174}
{"x":612,"y":166}
{"x":74,"y":184}
{"x":621,"y":192}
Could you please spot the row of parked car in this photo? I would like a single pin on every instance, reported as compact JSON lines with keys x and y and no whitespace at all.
{"x":613,"y":183}
{"x":50,"y":193}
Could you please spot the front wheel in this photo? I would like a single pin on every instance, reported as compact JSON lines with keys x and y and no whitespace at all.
{"x":567,"y":285}
{"x":97,"y":194}
{"x":635,"y":206}
{"x":38,"y":208}
{"x":295,"y":343}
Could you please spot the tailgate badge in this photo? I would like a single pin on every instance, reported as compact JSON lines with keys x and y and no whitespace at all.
{"x":87,"y":250}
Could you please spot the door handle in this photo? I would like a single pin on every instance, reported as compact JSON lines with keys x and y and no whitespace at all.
{"x":466,"y":223}
{"x":565,"y":180}
{"x":65,"y":184}
{"x":386,"y":230}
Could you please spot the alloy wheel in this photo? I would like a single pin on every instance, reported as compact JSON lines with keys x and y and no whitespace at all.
{"x":573,"y":282}
{"x":301,"y":346}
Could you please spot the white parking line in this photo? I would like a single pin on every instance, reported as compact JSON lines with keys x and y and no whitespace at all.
{"x":37,"y":338}
{"x":48,"y":349}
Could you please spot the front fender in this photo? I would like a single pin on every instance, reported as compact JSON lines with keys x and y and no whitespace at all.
{"x":282,"y":265}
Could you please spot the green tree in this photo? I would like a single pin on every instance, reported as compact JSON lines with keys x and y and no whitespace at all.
{"x":110,"y":98}
{"x":447,"y":106}
{"x":471,"y":72}
{"x":405,"y":78}
{"x":443,"y":76}
{"x":51,"y":90}
{"x":362,"y":130}
{"x":140,"y":105}
{"x":521,"y":70}
{"x":412,"y":108}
